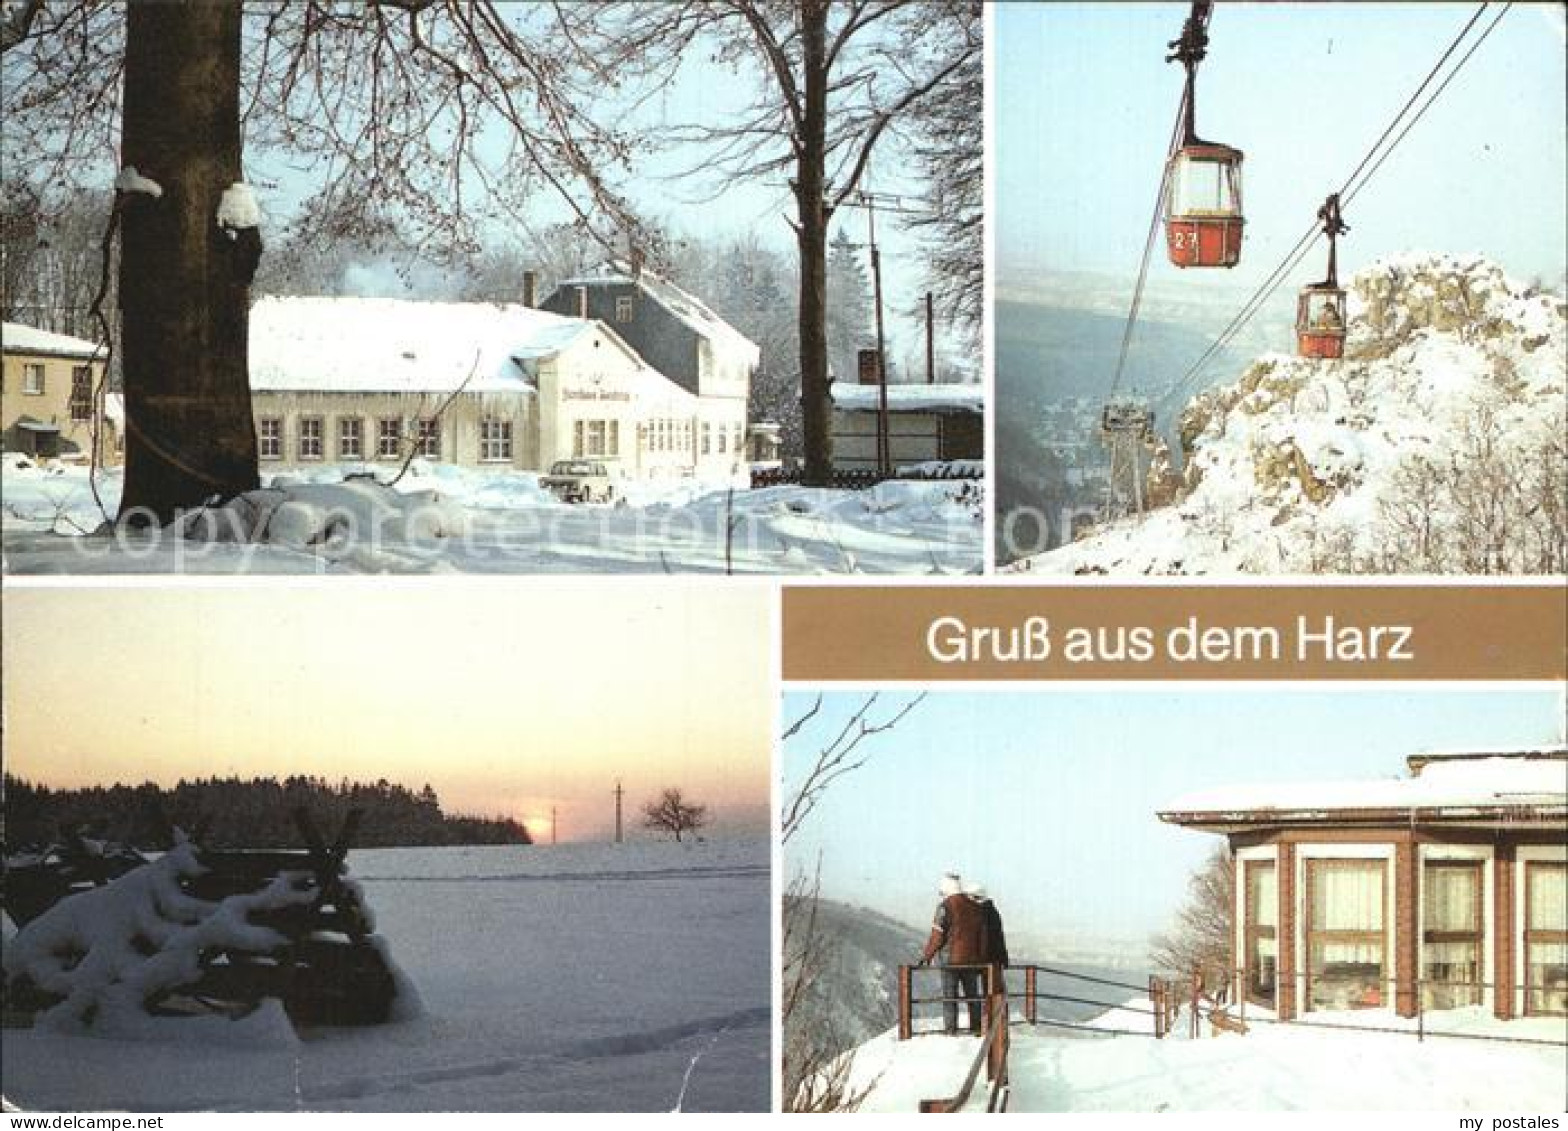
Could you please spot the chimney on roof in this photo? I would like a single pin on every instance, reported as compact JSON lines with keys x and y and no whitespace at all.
{"x":530,"y":289}
{"x":582,"y":302}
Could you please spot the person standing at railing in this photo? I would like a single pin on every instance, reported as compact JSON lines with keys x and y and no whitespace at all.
{"x":957,"y":933}
{"x":993,"y":939}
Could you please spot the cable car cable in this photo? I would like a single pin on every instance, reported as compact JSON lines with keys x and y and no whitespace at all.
{"x":1148,"y":245}
{"x":1298,"y":252}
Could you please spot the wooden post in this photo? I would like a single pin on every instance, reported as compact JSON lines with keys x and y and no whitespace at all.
{"x":906,"y":975}
{"x":930,"y":341}
{"x":1030,"y":1003}
{"x":1197,"y":988}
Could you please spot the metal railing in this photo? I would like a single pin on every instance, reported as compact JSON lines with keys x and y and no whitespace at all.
{"x":1170,"y":999}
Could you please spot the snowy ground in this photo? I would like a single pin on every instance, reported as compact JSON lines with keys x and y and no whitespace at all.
{"x":1272,"y":1067}
{"x":571,"y":978}
{"x":443,"y":519}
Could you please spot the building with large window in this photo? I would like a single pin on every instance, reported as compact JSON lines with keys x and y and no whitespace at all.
{"x":51,"y":397}
{"x":1445,"y":888}
{"x":681,"y":337}
{"x":484,"y":385}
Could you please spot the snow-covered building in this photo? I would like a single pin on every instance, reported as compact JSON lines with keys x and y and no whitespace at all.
{"x":926,"y":423}
{"x":679,"y":336}
{"x":1444,"y":888}
{"x":351,"y":380}
{"x":49,"y":384}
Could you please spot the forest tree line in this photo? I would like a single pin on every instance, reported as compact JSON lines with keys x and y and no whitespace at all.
{"x":238,"y":812}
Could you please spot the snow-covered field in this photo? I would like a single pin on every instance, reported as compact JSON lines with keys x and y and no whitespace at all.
{"x":1272,"y":1067}
{"x":570,"y":978}
{"x":1435,"y":446}
{"x":442,"y":519}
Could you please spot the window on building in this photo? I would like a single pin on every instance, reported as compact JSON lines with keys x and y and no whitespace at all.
{"x":389,"y":437}
{"x":351,"y":438}
{"x":1546,"y":937}
{"x":81,"y":393}
{"x":33,"y":378}
{"x":1451,"y":933}
{"x":1261,"y":918}
{"x":428,"y":437}
{"x":707,"y":437}
{"x":1346,"y":960}
{"x":495,"y":440}
{"x":269,"y":437}
{"x":623,"y":308}
{"x":723,"y":438}
{"x":596,"y":434}
{"x":310,"y":437}
{"x":612,"y":443}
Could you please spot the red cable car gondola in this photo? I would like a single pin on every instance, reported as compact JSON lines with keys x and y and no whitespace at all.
{"x":1203,"y":217}
{"x":1320,"y":309}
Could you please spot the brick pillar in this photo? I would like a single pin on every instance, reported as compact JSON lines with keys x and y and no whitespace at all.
{"x":1285,"y":932}
{"x":1405,"y":929}
{"x":1503,"y":976}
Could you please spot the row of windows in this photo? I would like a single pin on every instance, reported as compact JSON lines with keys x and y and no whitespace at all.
{"x":665,"y":435}
{"x":1347,"y":964}
{"x":596,"y":438}
{"x":391,"y":440}
{"x":35,"y":380}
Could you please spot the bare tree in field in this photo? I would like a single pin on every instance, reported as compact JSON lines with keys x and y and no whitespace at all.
{"x":384,"y":102}
{"x":671,"y":813}
{"x":816,"y":1065}
{"x":834,"y":80}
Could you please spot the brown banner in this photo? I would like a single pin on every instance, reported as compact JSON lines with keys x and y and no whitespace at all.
{"x":1310,"y":632}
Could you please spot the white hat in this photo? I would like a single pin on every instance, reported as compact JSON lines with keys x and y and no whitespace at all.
{"x":951,"y":884}
{"x":976,"y":891}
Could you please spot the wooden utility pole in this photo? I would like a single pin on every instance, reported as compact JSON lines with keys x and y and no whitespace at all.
{"x":884,"y":441}
{"x":619,"y":793}
{"x":871,"y":201}
{"x":930,"y":340}
{"x":552,"y":825}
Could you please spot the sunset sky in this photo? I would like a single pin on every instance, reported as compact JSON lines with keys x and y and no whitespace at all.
{"x":506,"y":698}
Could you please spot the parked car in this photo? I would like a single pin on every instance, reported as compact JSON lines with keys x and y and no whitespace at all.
{"x":582,"y":480}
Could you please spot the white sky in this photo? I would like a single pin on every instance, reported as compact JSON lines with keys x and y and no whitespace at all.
{"x":702,"y":206}
{"x":1085,"y":103}
{"x":507,"y":698}
{"x":1049,"y":797}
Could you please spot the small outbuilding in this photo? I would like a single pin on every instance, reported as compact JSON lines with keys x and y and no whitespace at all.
{"x":926,"y":424}
{"x":52,"y":399}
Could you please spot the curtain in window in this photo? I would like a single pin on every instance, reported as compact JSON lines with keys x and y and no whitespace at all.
{"x":1548,"y":899}
{"x":1262,"y":895}
{"x":1348,"y":897}
{"x":1451,"y":899}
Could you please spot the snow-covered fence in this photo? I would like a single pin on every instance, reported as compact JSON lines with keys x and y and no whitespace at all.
{"x":210,"y":931}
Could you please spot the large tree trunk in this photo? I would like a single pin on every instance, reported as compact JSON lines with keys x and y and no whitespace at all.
{"x":184,"y":282}
{"x":812,"y":236}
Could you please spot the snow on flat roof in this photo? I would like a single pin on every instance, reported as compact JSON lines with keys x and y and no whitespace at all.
{"x":341,"y":344}
{"x":18,"y":338}
{"x":1480,"y":783}
{"x":683,"y":304}
{"x":910,"y":398}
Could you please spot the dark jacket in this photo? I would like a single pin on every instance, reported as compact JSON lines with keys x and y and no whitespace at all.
{"x":993,"y":946}
{"x":959,"y":930}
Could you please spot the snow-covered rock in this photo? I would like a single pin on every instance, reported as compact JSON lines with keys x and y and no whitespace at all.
{"x":1435,"y":446}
